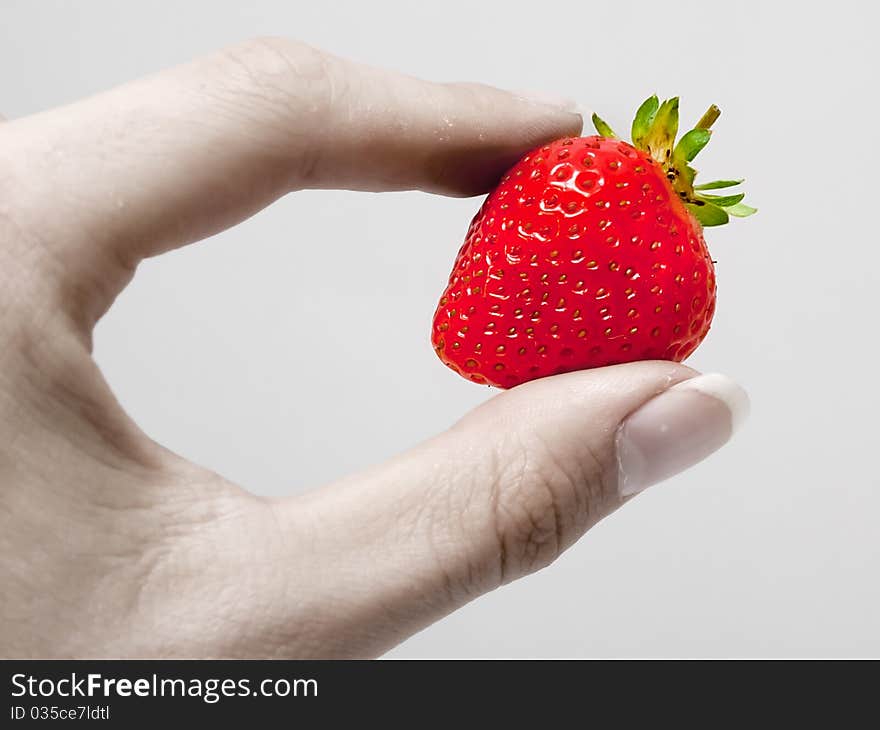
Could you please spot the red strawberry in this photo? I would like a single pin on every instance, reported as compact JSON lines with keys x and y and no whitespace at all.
{"x":589,"y":252}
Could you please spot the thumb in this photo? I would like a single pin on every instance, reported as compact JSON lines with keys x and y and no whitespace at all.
{"x":510,"y":487}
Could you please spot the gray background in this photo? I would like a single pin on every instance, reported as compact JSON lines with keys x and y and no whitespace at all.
{"x":226,"y":351}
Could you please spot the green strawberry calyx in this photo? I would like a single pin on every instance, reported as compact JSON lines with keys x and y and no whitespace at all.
{"x":654,"y":130}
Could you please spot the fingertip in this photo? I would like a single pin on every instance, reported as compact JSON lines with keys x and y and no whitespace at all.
{"x":564,"y":112}
{"x":724,"y":389}
{"x":677,"y":429}
{"x":489,"y":130}
{"x":556,"y":101}
{"x":542,"y":117}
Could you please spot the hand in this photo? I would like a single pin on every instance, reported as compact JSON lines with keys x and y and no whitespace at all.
{"x":113,"y":546}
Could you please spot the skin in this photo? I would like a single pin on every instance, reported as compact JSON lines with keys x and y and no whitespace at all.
{"x":110,"y":545}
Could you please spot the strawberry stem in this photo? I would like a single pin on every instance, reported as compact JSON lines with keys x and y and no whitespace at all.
{"x":654,"y":131}
{"x":709,"y":118}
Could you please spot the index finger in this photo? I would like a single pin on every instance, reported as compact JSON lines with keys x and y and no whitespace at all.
{"x":183,"y":154}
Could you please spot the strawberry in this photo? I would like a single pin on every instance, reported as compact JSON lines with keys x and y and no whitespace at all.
{"x":590,"y":252}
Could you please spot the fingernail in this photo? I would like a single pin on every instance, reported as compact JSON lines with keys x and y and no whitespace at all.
{"x":676,"y":429}
{"x":545,"y":99}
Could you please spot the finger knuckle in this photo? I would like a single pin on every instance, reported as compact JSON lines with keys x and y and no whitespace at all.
{"x":291,"y":82}
{"x":541,"y":502}
{"x":284,"y":71}
{"x":269,"y":58}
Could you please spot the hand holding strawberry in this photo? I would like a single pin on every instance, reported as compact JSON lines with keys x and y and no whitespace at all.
{"x":114,"y":545}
